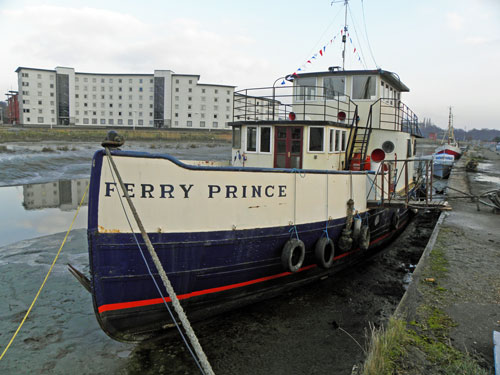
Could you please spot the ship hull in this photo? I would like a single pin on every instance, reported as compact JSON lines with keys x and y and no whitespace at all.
{"x":214,"y":270}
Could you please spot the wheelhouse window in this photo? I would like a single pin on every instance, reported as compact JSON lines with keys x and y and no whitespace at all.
{"x":236,"y":135}
{"x":265,"y":139}
{"x":363,"y":87}
{"x":252,"y":139}
{"x":305,"y":88}
{"x":334,"y":87}
{"x":316,"y":139}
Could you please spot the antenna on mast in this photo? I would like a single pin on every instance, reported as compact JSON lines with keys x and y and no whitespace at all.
{"x":344,"y":35}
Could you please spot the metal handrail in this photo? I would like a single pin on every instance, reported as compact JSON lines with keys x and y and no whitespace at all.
{"x":275,"y":103}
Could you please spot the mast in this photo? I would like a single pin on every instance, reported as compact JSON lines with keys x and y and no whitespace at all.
{"x":451,"y":135}
{"x":344,"y":37}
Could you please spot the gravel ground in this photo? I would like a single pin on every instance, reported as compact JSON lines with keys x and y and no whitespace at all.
{"x":468,"y":290}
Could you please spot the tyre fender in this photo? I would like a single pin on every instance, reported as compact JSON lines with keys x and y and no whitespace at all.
{"x":293,"y":254}
{"x":395,"y":219}
{"x":324,"y":252}
{"x":364,"y":237}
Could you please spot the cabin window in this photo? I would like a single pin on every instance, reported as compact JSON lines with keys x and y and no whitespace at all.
{"x":339,"y":141}
{"x":408,"y":148}
{"x":363,"y":87}
{"x":334,"y":87}
{"x":331,"y":144}
{"x":305,"y":88}
{"x":252,"y":139}
{"x":316,"y":139}
{"x":236,"y":135}
{"x":265,"y":139}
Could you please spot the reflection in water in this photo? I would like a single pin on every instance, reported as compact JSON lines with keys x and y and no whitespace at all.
{"x":35,"y":210}
{"x":63,"y":194}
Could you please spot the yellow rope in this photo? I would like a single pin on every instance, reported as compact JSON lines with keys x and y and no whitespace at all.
{"x":46,"y":277}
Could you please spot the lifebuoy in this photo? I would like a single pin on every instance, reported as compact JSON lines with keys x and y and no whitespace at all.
{"x":364,"y":237}
{"x":293,"y":255}
{"x":395,"y":219}
{"x":324,"y":252}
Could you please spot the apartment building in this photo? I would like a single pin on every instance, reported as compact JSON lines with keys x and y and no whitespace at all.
{"x":162,"y":99}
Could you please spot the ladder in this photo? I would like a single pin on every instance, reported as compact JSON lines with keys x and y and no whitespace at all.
{"x":358,"y":143}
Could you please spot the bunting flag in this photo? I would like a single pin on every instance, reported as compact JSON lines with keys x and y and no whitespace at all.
{"x":322,"y":53}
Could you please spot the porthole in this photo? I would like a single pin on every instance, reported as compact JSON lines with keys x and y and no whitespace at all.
{"x":388,"y":147}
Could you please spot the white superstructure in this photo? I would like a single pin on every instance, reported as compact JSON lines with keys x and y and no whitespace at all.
{"x":162,"y":99}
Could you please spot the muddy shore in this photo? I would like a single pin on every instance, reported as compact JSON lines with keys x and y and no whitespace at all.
{"x":453,"y":305}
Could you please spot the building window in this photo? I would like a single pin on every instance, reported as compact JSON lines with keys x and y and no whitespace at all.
{"x":140,"y":122}
{"x":85,"y":121}
{"x":94,"y":121}
{"x":215,"y":124}
{"x":316,"y":139}
{"x":252,"y":139}
{"x":190,"y":81}
{"x":120,"y":121}
{"x":190,"y":89}
{"x":190,"y":98}
{"x":40,"y":120}
{"x":130,"y":122}
{"x":202,"y":124}
{"x":111,"y":121}
{"x":189,"y":114}
{"x":189,"y":124}
{"x":103,"y":121}
{"x":176,"y":89}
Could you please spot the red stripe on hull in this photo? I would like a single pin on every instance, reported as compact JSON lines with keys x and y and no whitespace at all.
{"x":449,"y":152}
{"x":155,"y":301}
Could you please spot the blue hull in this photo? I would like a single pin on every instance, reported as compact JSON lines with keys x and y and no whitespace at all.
{"x":211,"y":272}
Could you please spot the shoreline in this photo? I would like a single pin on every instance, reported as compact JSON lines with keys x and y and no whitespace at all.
{"x":88,"y":134}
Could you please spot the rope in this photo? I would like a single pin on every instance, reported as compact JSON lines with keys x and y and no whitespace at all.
{"x":152,"y":276}
{"x":46,"y":276}
{"x":295,"y":171}
{"x":166,"y":282}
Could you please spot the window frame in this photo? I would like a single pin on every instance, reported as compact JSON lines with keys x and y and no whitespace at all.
{"x":256,"y":139}
{"x":309,"y":128}
{"x":259,"y":140}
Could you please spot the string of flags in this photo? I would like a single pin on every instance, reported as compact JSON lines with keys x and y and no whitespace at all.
{"x":320,"y":54}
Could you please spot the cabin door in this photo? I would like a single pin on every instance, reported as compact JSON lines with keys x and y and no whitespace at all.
{"x":288,"y":147}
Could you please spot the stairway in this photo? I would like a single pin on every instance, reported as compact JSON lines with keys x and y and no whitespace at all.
{"x":358,"y":144}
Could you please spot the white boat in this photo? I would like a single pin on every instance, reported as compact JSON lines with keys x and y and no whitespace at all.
{"x":298,"y":203}
{"x":443,"y":163}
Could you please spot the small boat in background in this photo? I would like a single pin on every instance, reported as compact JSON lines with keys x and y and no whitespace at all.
{"x":443,"y":164}
{"x":451,"y":147}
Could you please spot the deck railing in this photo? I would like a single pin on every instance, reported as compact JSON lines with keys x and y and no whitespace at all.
{"x":308,"y":103}
{"x":395,"y":115}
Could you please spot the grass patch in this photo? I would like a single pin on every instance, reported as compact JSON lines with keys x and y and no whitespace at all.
{"x":385,"y":347}
{"x":47,"y":149}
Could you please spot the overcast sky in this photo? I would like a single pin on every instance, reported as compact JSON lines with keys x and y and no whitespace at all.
{"x":446,"y":51}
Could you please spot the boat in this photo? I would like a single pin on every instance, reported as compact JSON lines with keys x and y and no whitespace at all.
{"x":451,"y":146}
{"x":299,"y":201}
{"x":443,"y":164}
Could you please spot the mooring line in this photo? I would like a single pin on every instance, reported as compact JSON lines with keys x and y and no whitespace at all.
{"x":152,"y":276}
{"x":166,"y":282}
{"x":46,"y":276}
